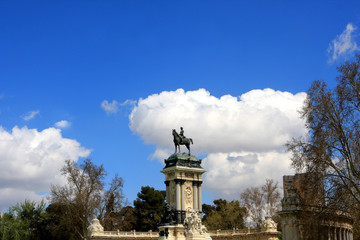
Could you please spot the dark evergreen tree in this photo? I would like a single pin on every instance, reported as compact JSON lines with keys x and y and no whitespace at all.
{"x":149,"y":207}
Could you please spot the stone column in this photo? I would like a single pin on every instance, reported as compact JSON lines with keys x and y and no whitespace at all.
{"x":178,"y":197}
{"x":167,"y":183}
{"x":195,"y":192}
{"x":199,"y":197}
{"x":335,"y":234}
{"x":183,"y":210}
{"x":182,"y":195}
{"x":341,"y":233}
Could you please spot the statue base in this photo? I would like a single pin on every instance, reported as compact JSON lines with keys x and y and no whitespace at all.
{"x":178,"y":232}
{"x":203,"y":236}
{"x":172,"y":232}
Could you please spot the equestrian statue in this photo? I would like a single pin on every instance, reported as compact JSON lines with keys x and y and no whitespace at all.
{"x":180,"y":139}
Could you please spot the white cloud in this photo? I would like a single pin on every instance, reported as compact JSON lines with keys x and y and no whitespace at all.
{"x":343,"y":45}
{"x":243,"y":137}
{"x":30,"y":115}
{"x":30,"y":161}
{"x":228,"y":174}
{"x":63,"y":124}
{"x":110,"y":108}
{"x":113,"y":107}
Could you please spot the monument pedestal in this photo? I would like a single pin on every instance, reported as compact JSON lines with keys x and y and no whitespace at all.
{"x":183,"y":179}
{"x":172,"y":232}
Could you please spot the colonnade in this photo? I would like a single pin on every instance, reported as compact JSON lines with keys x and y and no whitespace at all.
{"x":180,"y":198}
{"x":339,"y":233}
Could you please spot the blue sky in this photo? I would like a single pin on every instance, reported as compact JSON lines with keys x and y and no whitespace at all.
{"x":110,"y":79}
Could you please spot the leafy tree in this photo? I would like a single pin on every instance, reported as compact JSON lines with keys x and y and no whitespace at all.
{"x":60,"y":223}
{"x":24,"y":221}
{"x":127,"y":219}
{"x":259,"y":201}
{"x":149,"y":207}
{"x":331,"y":151}
{"x":224,"y":215}
{"x":84,"y":196}
{"x":206,"y":210}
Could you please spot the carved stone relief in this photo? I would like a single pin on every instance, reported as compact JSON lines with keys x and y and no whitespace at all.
{"x":172,"y":194}
{"x":188,"y":194}
{"x":193,"y":222}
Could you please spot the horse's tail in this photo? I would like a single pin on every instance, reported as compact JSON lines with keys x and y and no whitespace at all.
{"x":191,"y":141}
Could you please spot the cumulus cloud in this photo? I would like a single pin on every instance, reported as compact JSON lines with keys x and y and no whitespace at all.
{"x":230,"y":173}
{"x":30,"y":161}
{"x":243,"y":137}
{"x":30,"y":115}
{"x":344,"y":44}
{"x":113,"y":107}
{"x":63,"y":124}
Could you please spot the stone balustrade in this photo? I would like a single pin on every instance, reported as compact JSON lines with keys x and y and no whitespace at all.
{"x":234,"y":234}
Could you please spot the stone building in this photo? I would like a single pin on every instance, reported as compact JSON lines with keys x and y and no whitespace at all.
{"x":304,"y":213}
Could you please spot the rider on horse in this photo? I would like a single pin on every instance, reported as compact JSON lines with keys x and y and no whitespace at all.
{"x":182,"y":134}
{"x":180,"y":139}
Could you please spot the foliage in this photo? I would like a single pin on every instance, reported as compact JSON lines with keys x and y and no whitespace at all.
{"x":149,"y":207}
{"x":84,"y":197}
{"x":127,"y":219}
{"x":259,"y":201}
{"x":224,"y":215}
{"x":60,"y":223}
{"x":23,"y":221}
{"x":333,"y":148}
{"x":331,"y":152}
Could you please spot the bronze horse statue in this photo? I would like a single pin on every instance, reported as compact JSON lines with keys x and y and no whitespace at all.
{"x":178,"y":140}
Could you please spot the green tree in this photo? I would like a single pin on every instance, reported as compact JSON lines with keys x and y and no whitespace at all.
{"x":25,"y":220}
{"x":149,"y":207}
{"x":224,"y":215}
{"x":60,"y":223}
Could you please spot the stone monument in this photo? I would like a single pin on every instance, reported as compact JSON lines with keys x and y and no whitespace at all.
{"x":95,"y":227}
{"x":183,"y":179}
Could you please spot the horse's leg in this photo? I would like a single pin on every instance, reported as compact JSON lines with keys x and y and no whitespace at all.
{"x":175,"y":147}
{"x":188,"y":147}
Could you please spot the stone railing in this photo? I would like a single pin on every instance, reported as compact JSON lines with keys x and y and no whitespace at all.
{"x":234,"y":231}
{"x":244,"y":234}
{"x":123,"y":235}
{"x":268,"y":232}
{"x":235,"y":234}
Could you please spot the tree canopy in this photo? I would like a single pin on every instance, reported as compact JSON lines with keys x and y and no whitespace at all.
{"x":261,"y":201}
{"x":149,"y":207}
{"x":332,"y":148}
{"x":223,"y":215}
{"x":330,"y":154}
{"x":24,"y":221}
{"x":85,"y":197}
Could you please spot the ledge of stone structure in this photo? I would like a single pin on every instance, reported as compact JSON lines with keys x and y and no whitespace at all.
{"x":182,"y":159}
